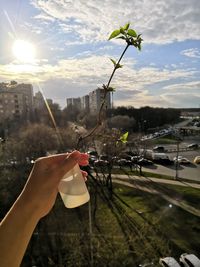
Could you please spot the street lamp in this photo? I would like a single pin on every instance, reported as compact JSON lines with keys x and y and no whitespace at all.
{"x":178,"y":138}
{"x":177,"y":155}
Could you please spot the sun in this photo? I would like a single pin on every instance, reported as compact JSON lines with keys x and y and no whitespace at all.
{"x":24,"y":51}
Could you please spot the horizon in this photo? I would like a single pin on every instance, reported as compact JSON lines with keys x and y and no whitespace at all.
{"x":72,"y":52}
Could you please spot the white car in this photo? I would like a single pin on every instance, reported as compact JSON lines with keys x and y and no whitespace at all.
{"x":181,"y":160}
{"x":189,"y":260}
{"x":169,"y":262}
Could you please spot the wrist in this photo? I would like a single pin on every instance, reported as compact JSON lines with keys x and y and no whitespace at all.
{"x":28,"y":207}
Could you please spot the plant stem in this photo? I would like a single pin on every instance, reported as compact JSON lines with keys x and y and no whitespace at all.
{"x":104,"y":100}
{"x":116,"y":65}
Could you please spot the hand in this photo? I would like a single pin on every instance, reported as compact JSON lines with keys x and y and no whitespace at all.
{"x":42,"y":186}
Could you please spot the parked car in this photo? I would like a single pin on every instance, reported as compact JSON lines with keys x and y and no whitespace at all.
{"x":193,"y":146}
{"x":159,"y":149}
{"x":197,"y":160}
{"x":125,"y":156}
{"x":179,"y":157}
{"x":165,"y":161}
{"x":182,"y":160}
{"x":158,"y":156}
{"x":103,"y":157}
{"x":169,"y":262}
{"x":101,"y":163}
{"x":135,"y":159}
{"x":189,"y":260}
{"x":92,"y":159}
{"x":124,"y":163}
{"x":92,"y":153}
{"x":144,"y":162}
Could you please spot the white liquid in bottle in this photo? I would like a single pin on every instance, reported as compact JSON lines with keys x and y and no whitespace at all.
{"x":72,"y":188}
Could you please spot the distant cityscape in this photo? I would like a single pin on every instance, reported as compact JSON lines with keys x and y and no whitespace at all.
{"x":17,"y":100}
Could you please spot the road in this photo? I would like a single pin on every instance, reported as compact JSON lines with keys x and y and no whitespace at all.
{"x":190,"y":171}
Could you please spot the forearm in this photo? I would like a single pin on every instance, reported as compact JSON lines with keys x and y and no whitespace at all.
{"x":15,"y":232}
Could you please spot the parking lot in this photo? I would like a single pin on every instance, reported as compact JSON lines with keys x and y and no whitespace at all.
{"x":190,"y":171}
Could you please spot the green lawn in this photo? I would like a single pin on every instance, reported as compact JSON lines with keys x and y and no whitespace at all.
{"x":129,"y":227}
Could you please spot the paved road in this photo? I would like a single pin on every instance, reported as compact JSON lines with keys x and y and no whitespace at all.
{"x":156,"y":180}
{"x":191,"y":171}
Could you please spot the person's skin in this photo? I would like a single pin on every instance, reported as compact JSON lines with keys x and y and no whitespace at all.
{"x":35,"y":201}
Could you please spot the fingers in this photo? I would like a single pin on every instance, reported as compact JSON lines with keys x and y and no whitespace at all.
{"x":80,"y":158}
{"x":85,"y":174}
{"x":72,"y":159}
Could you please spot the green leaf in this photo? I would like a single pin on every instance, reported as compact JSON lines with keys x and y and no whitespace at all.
{"x":121,"y":37}
{"x":124,"y":138}
{"x":114,"y":34}
{"x":126,"y":26}
{"x":122,"y":30}
{"x":118,"y":66}
{"x":113,"y":61}
{"x":132,"y":33}
{"x":111,"y":89}
{"x":139,"y":47}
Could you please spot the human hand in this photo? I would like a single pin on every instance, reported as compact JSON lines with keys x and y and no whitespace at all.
{"x":42,"y":185}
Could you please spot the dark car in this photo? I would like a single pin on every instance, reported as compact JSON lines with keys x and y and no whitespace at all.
{"x":101,"y":163}
{"x":92,"y":153}
{"x":135,"y":159}
{"x":144,"y":162}
{"x":103,"y":157}
{"x":193,"y":146}
{"x":159,"y":149}
{"x":92,"y":159}
{"x":124,"y":163}
{"x":165,"y":161}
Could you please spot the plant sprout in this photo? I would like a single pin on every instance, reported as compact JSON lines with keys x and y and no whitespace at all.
{"x":131,"y":38}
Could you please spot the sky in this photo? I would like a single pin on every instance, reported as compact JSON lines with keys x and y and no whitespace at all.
{"x":72,"y":51}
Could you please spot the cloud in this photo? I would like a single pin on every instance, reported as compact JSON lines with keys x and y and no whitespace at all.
{"x":192,"y":52}
{"x":159,"y":21}
{"x":45,"y":17}
{"x":184,"y":87}
{"x":77,"y":77}
{"x":186,"y":100}
{"x":94,"y":71}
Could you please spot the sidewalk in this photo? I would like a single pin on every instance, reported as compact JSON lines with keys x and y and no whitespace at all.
{"x":156,"y":180}
{"x":147,"y":187}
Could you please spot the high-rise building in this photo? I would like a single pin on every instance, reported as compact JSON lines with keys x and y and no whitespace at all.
{"x":85,"y":103}
{"x":96,"y":98}
{"x":76,"y":102}
{"x":38,"y":101}
{"x":16,"y":100}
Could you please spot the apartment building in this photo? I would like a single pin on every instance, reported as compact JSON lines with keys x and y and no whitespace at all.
{"x":85,"y":103}
{"x":91,"y":102}
{"x":76,"y":102}
{"x":38,"y":101}
{"x":96,"y":98}
{"x":16,"y":101}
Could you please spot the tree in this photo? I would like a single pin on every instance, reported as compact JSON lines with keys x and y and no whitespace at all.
{"x":31,"y":142}
{"x":122,"y":122}
{"x":70,"y":113}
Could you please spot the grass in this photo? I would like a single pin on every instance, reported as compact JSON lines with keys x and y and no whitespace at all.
{"x":130,"y":227}
{"x":181,"y":227}
{"x":127,"y":171}
{"x":189,"y":194}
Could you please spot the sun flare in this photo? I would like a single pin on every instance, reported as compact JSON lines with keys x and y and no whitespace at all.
{"x":24,"y":51}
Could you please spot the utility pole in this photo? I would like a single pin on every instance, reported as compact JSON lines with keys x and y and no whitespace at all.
{"x":90,"y":234}
{"x":177,"y":155}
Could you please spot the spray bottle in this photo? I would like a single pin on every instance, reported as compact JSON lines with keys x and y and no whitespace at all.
{"x":72,"y":188}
